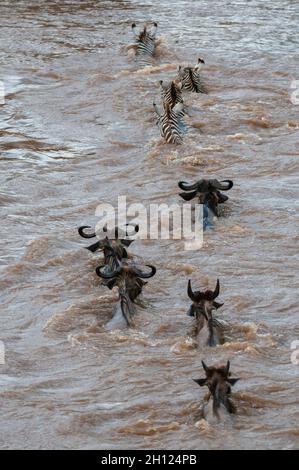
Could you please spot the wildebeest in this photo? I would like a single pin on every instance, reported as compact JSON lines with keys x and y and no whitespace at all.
{"x":129,"y":280}
{"x":208,"y":193}
{"x":219,"y":382}
{"x":203,"y":304}
{"x":114,"y":249}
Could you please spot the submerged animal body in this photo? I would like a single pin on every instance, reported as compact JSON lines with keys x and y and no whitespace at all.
{"x":218,"y":404}
{"x":145,"y":44}
{"x":171,"y":123}
{"x":190,"y":78}
{"x":201,"y":309}
{"x":208,"y":193}
{"x":129,"y":280}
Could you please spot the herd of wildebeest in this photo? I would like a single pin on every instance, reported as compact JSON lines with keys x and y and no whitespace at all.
{"x":118,"y":271}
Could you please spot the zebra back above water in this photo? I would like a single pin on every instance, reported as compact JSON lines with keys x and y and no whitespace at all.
{"x":171,"y":93}
{"x":190,"y":78}
{"x":171,"y":123}
{"x":145,"y":44}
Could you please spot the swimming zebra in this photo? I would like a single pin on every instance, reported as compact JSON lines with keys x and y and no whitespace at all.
{"x":171,"y":93}
{"x":190,"y":78}
{"x":171,"y":123}
{"x":145,"y":44}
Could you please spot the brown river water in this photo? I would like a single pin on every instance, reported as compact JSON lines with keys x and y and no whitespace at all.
{"x":77,"y":128}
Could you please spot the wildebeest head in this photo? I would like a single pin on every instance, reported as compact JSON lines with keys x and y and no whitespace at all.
{"x":203,"y":302}
{"x":111,"y":240}
{"x":208,"y":192}
{"x":219,"y":382}
{"x":129,"y":280}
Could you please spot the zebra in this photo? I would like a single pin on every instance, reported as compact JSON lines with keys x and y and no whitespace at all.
{"x":171,"y":93}
{"x":171,"y":123}
{"x":145,"y":44}
{"x":190,"y":77}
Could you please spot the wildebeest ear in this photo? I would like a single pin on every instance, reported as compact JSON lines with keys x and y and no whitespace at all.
{"x":190,"y":312}
{"x":126,"y":242}
{"x":188,"y":196}
{"x":200,"y":382}
{"x":232,"y":381}
{"x":111,"y":283}
{"x":217,"y":305}
{"x":95,"y":246}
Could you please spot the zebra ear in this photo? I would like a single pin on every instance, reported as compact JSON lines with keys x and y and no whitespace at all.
{"x":156,"y":109}
{"x":154,"y":28}
{"x":134,"y":28}
{"x":178,"y":108}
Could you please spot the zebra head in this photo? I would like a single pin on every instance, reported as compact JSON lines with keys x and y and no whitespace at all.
{"x":208,"y":192}
{"x":219,"y":382}
{"x":149,"y":31}
{"x":183,"y":70}
{"x":171,"y":92}
{"x":190,"y":77}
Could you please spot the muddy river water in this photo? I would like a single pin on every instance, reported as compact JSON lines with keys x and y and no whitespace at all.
{"x":77,"y":128}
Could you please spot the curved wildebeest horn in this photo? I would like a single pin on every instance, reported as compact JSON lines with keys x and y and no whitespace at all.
{"x":107,"y":275}
{"x":217,"y":290}
{"x":205,"y":367}
{"x":145,"y":275}
{"x":190,"y":291}
{"x":85,"y":235}
{"x":187,"y":186}
{"x":225,"y":187}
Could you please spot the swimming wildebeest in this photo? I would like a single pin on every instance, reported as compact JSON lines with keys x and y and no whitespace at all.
{"x":208,"y":193}
{"x":114,"y":249}
{"x":203,"y":304}
{"x":219,"y":382}
{"x":129,"y":280}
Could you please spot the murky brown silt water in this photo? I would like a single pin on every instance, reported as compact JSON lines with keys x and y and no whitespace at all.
{"x":77,"y":128}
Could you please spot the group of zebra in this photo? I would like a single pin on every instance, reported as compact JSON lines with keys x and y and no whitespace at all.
{"x":171,"y":118}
